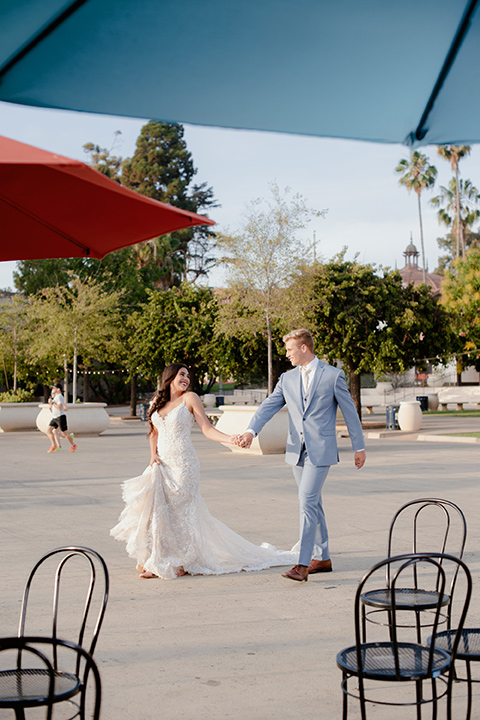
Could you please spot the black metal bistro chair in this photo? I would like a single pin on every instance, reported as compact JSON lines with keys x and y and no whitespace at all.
{"x":468,"y":650}
{"x":432,"y":525}
{"x":80,"y":586}
{"x":75,"y":612}
{"x":33,"y":674}
{"x":394,"y":661}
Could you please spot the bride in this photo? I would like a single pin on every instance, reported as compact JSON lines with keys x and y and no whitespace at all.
{"x":165,"y":523}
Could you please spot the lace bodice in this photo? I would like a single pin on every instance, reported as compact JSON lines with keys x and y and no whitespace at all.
{"x":174,"y":443}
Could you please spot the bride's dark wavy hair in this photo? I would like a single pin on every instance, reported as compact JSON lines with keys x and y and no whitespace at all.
{"x":162,"y":396}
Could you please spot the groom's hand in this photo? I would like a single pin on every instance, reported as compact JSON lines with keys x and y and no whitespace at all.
{"x":360,"y":459}
{"x":246,"y":440}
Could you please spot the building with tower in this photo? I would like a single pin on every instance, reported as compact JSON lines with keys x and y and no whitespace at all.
{"x":412,"y":273}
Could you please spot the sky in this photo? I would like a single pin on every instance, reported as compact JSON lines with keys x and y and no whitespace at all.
{"x":356,"y":183}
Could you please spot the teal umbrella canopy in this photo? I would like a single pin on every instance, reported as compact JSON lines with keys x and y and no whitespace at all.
{"x":385,"y":71}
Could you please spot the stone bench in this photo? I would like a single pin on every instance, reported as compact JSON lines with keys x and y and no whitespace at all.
{"x":213,"y":414}
{"x":238,"y":399}
{"x":459,"y":396}
{"x":246,"y":397}
{"x":371,"y":399}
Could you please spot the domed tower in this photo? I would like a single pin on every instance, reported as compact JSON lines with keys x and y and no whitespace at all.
{"x":411,"y":255}
{"x":412,"y":273}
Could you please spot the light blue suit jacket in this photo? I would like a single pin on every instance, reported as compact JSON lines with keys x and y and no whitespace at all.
{"x":314,"y":424}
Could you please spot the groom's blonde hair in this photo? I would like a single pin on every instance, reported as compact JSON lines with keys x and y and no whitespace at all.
{"x":302,"y":335}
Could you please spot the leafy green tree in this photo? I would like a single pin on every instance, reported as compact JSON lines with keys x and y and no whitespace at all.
{"x":31,"y":276}
{"x":454,"y":153}
{"x":458,"y":206}
{"x":242,"y":352}
{"x":13,"y":321}
{"x":447,"y":245}
{"x":80,"y":319}
{"x":468,"y":202}
{"x":162,"y":168}
{"x":181,"y":325}
{"x":177,"y":325}
{"x":461,"y":297}
{"x":367,"y":320}
{"x":103,"y":160}
{"x":17,"y":327}
{"x":260,"y":261}
{"x":117,"y":270}
{"x":417,"y":174}
{"x":130,"y":356}
{"x":242,"y":357}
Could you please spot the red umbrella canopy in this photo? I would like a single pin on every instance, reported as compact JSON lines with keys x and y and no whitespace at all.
{"x":52,"y":206}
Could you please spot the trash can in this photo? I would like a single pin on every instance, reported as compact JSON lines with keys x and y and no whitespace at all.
{"x":143,"y":408}
{"x":423,"y":400}
{"x":219,"y":400}
{"x":392,"y":419}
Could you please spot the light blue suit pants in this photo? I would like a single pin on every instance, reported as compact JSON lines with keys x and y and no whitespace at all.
{"x":313,"y":527}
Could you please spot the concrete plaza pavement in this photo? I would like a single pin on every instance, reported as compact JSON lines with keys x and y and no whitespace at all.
{"x":235,"y":646}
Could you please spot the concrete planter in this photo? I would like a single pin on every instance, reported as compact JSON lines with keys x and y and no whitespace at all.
{"x":436,"y":378}
{"x":18,"y":416}
{"x":82,"y":418}
{"x":383,"y":386}
{"x":410,"y":416}
{"x":235,"y":419}
{"x":433,"y":400}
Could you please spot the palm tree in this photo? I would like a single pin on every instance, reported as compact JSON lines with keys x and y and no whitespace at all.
{"x":458,"y":208}
{"x":453,"y":153}
{"x":417,"y":174}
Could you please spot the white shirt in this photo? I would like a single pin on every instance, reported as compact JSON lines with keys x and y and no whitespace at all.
{"x":56,"y":412}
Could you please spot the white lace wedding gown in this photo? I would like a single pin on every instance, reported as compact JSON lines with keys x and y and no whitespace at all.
{"x":166,"y":523}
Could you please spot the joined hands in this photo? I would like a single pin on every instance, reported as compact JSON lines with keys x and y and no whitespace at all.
{"x":243,"y":441}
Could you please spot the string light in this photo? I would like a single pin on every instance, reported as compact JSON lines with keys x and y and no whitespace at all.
{"x":108,"y":372}
{"x":446,"y":357}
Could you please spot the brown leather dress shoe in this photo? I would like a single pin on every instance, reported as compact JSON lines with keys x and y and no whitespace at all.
{"x":317,"y":566}
{"x":298,"y":572}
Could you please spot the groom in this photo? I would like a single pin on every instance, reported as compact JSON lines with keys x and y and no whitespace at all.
{"x":312,"y":391}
